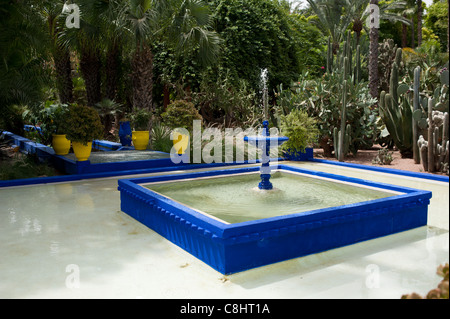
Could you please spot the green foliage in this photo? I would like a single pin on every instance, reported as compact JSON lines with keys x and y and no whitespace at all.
{"x":322,"y":99}
{"x":309,"y":42}
{"x":431,"y":62}
{"x":161,"y":138}
{"x":82,"y":124}
{"x":24,"y":166}
{"x":221,"y":101}
{"x":436,"y":19}
{"x":140,"y":119}
{"x":301,"y":130}
{"x":23,"y":74}
{"x":50,"y":118}
{"x":257,"y":35}
{"x":11,"y":119}
{"x":180,"y":114}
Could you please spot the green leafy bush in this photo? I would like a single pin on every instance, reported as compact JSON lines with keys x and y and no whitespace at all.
{"x":140,"y":119}
{"x":180,"y":114}
{"x":83,"y":124}
{"x":257,"y":34}
{"x":301,"y":130}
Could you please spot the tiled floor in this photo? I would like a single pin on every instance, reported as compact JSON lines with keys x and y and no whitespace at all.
{"x":70,"y":240}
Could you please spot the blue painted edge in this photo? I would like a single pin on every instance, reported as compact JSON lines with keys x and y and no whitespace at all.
{"x":233,"y":229}
{"x":241,"y":241}
{"x":77,"y":177}
{"x":439,"y":178}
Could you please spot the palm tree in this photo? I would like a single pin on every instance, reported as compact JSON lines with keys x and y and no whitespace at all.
{"x":86,"y":41}
{"x":51,"y":14}
{"x":336,"y":17}
{"x":185,"y":24}
{"x":23,"y":52}
{"x":331,"y":19}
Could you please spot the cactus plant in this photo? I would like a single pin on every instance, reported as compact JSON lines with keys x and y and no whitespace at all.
{"x":416,"y":108}
{"x":344,"y":59}
{"x":386,"y":55}
{"x":341,"y":138}
{"x":396,"y":112}
{"x":434,"y":154}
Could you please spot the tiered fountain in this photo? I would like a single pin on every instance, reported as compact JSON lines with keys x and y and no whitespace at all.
{"x":217,"y":217}
{"x":265,"y":142}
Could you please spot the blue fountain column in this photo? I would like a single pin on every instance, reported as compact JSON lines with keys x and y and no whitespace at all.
{"x":265,"y":143}
{"x":265,"y":167}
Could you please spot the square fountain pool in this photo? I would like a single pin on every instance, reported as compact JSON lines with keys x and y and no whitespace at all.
{"x":222,"y":218}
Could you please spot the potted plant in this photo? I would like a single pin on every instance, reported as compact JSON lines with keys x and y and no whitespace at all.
{"x":51,"y":129}
{"x":181,"y":114}
{"x":141,"y":135}
{"x":60,"y":143}
{"x":83,"y":125}
{"x":302,"y":132}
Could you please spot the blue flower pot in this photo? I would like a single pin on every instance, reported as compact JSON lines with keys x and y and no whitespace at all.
{"x":125,"y":133}
{"x":299,"y":156}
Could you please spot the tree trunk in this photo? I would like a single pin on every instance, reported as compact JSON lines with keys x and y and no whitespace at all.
{"x":373,"y":58}
{"x":419,"y":22}
{"x":166,"y":96}
{"x":404,"y":34}
{"x":142,"y":77}
{"x":90,"y":65}
{"x":63,"y":68}
{"x":112,"y":70}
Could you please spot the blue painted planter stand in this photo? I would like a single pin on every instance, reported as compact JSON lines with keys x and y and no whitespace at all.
{"x":231,"y":248}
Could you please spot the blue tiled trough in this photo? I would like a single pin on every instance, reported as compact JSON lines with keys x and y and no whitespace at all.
{"x":70,"y":165}
{"x":231,"y":248}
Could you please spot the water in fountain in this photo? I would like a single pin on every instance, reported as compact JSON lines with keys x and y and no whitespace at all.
{"x":265,"y":92}
{"x":264,"y":141}
{"x":236,"y":198}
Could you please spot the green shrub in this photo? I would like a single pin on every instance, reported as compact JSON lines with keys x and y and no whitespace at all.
{"x":301,"y":130}
{"x":140,"y":119}
{"x":83,"y":124}
{"x":180,"y":114}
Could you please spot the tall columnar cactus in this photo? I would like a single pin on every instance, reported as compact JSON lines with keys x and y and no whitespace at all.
{"x":330,"y":56}
{"x":434,"y":154}
{"x":416,"y":107}
{"x":342,"y":137}
{"x":349,"y":67}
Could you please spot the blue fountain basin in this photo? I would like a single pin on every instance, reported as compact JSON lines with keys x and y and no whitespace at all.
{"x":231,"y":247}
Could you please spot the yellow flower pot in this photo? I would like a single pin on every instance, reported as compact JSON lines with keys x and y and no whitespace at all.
{"x":140,"y":140}
{"x":82,"y":152}
{"x":61,"y":144}
{"x":180,"y":143}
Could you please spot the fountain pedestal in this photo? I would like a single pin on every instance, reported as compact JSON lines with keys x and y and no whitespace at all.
{"x":265,"y":142}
